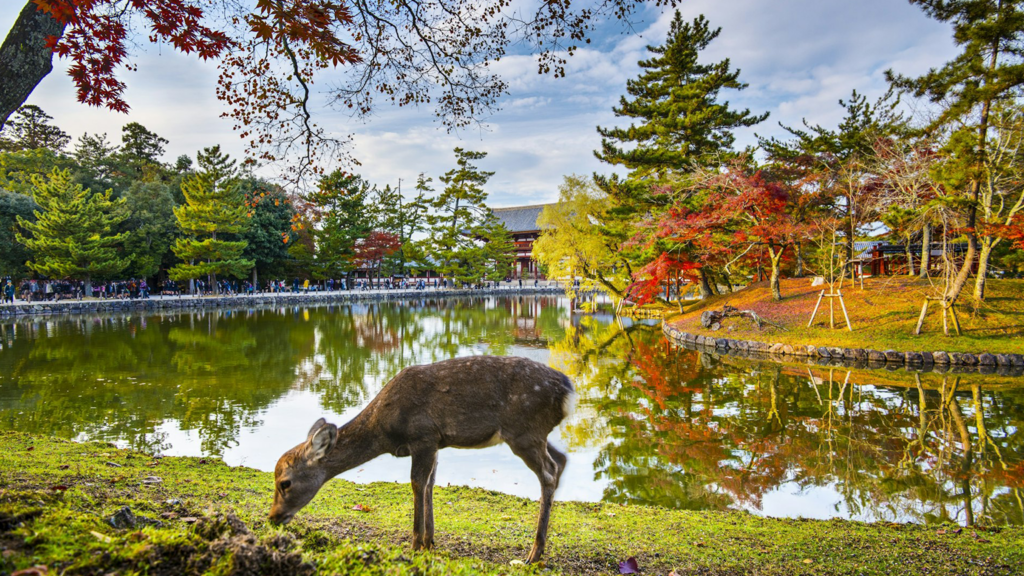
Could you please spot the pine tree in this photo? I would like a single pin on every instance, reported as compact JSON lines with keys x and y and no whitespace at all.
{"x":214,"y":205}
{"x":340,"y":219}
{"x":73,"y":234}
{"x":679,"y":124}
{"x":404,"y":218}
{"x":676,"y":104}
{"x":30,"y":129}
{"x":458,"y":218}
{"x":987,"y":71}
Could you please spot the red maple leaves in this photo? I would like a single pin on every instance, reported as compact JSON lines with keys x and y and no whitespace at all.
{"x":96,"y":36}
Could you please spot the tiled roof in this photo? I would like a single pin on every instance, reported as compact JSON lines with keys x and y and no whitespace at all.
{"x":519,"y":218}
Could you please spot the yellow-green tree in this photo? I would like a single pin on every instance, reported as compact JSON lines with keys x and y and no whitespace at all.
{"x":572,"y":244}
{"x":213,"y":205}
{"x":72,"y":236}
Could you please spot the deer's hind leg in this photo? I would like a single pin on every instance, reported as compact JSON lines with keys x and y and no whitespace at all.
{"x":538,"y":456}
{"x":559,"y":460}
{"x":424,"y":463}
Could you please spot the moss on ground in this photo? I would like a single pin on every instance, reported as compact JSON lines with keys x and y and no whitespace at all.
{"x":883,"y":314}
{"x":56,"y":496}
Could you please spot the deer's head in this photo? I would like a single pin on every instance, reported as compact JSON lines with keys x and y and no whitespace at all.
{"x":300,"y":472}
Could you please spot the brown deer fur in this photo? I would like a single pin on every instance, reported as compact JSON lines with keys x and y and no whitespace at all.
{"x":469,"y":402}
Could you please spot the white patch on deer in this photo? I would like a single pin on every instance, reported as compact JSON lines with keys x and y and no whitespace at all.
{"x":492,"y":441}
{"x":568,"y":404}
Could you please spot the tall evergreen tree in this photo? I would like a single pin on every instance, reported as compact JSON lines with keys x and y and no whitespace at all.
{"x":459,"y":221}
{"x":986,"y":72}
{"x":679,"y":124}
{"x":152,"y":226}
{"x":29,"y":128}
{"x":73,"y":235}
{"x":340,"y":219}
{"x":679,"y":120}
{"x":394,"y":214}
{"x":13,"y":255}
{"x":269,"y":235}
{"x":214,"y":205}
{"x":96,"y":159}
{"x":138,"y":158}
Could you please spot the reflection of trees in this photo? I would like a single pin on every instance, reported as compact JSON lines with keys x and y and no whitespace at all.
{"x":682,"y":429}
{"x":361,"y":347}
{"x":119,"y":378}
{"x":215,"y":372}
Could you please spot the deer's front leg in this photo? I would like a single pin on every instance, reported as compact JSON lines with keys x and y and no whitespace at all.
{"x":423,"y":464}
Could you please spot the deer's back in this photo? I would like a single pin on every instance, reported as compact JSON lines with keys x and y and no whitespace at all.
{"x":469,"y":401}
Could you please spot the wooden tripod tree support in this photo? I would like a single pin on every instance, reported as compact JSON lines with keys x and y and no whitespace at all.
{"x":948,"y":313}
{"x":831,"y":309}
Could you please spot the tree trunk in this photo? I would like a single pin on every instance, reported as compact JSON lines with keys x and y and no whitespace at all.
{"x":702,"y":283}
{"x":255,"y":282}
{"x":24,"y":58}
{"x":926,"y":249}
{"x":987,"y":244}
{"x":799,"y":272}
{"x":776,"y":260}
{"x":910,"y":259}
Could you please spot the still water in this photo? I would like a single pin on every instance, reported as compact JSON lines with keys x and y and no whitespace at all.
{"x":654,"y":424}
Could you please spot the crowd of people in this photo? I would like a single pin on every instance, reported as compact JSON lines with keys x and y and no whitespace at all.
{"x":57,"y":290}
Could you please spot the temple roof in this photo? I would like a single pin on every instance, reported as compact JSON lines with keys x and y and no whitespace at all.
{"x":520,"y":218}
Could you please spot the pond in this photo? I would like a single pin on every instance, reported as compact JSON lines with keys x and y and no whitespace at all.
{"x":654,"y":424}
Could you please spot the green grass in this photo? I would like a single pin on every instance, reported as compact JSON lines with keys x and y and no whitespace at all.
{"x":63,"y":491}
{"x":883,"y":314}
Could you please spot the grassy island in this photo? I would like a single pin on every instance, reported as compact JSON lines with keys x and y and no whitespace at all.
{"x":56,"y":497}
{"x":883,"y":313}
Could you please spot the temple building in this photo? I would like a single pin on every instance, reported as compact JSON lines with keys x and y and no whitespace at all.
{"x":521,"y":222}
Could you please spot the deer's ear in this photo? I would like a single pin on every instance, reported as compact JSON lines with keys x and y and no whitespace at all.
{"x":316,"y":426}
{"x":321,"y":442}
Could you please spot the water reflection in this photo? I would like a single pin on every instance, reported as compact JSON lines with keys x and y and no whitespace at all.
{"x":655,"y":424}
{"x":684,"y":429}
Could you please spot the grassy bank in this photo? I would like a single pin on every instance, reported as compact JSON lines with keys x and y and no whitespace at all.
{"x":56,"y":495}
{"x":883,"y":313}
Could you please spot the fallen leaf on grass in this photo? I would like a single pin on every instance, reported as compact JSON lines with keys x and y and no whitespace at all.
{"x":63,"y":466}
{"x":168,"y":515}
{"x":979,"y":538}
{"x":58,"y":488}
{"x":808,"y":561}
{"x":940,"y":532}
{"x":101,"y":537}
{"x":516,"y":563}
{"x":361,"y":508}
{"x":30,"y":448}
{"x":152,"y":480}
{"x":699,"y":544}
{"x":190,"y":519}
{"x":112,"y":464}
{"x":630,"y":566}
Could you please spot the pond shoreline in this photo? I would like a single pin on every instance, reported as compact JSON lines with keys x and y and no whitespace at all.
{"x":59,"y":501}
{"x":941,"y":362}
{"x":155,"y":303}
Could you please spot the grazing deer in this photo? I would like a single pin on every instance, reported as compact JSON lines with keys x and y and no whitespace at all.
{"x":470,"y":402}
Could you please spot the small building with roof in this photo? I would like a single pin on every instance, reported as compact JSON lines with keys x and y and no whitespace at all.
{"x":521,"y":222}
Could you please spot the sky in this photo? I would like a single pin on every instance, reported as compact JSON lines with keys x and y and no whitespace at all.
{"x":799,"y":57}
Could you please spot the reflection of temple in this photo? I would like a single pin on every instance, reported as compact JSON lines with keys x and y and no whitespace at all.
{"x":521,"y":222}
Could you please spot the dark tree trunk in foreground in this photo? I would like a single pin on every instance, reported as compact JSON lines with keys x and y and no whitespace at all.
{"x":24,"y":58}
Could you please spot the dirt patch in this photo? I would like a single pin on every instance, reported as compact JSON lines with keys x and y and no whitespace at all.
{"x":234,"y":549}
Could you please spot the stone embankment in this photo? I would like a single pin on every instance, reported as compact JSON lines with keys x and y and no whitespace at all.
{"x":158,"y":303}
{"x":956,"y":362}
